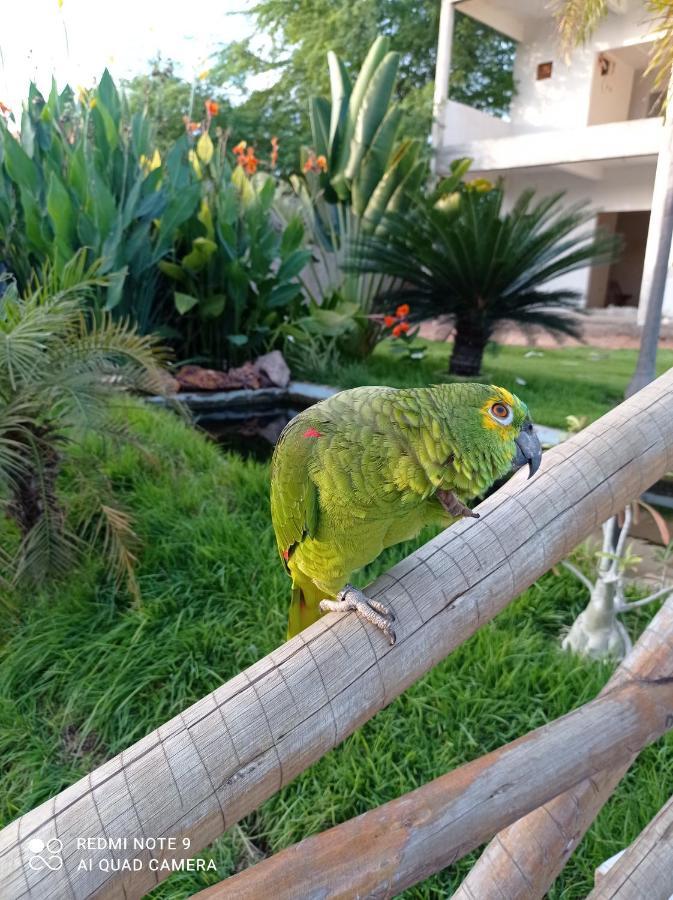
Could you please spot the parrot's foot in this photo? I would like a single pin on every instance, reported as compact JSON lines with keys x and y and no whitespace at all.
{"x":454,"y":506}
{"x":351,"y":599}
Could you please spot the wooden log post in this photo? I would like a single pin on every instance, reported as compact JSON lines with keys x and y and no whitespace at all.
{"x":523,"y":860}
{"x":388,"y":849}
{"x":645,"y":868}
{"x":180,"y":787}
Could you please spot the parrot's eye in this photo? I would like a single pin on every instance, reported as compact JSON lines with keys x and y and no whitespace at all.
{"x":501,"y":413}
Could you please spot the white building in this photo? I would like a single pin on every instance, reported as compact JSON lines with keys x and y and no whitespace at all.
{"x":590,"y":126}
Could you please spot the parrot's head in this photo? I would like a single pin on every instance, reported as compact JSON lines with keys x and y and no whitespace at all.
{"x":495,"y":432}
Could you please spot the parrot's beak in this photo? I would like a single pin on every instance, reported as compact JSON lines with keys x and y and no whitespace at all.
{"x":528,"y":450}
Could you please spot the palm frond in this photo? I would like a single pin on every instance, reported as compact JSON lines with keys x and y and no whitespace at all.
{"x":576,"y":21}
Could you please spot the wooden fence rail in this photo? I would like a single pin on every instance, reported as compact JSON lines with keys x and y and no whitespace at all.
{"x":523,"y":860}
{"x":388,"y":849}
{"x":198,"y":774}
{"x":645,"y":869}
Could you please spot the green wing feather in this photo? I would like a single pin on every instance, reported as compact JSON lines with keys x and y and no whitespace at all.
{"x":294,"y":496}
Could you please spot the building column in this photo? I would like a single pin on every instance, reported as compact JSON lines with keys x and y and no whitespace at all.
{"x":442,"y":72}
{"x":661,"y":199}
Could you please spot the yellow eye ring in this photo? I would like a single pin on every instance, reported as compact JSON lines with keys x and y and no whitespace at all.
{"x":501,"y":413}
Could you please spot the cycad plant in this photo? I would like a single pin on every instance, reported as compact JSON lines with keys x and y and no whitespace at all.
{"x":60,"y":368}
{"x":461,"y":254}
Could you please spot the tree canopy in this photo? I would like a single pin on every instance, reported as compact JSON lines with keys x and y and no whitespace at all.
{"x":292,"y":56}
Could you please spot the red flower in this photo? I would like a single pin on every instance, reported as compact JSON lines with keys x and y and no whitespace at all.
{"x":404,"y":326}
{"x":402,"y":310}
{"x":212,"y":108}
{"x":274,"y":152}
{"x":239,"y":148}
{"x":389,"y":321}
{"x":397,"y":330}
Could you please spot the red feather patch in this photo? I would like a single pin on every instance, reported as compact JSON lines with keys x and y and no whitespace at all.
{"x":286,"y":555}
{"x":311,"y":432}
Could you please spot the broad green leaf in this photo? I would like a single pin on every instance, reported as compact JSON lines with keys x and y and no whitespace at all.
{"x":373,"y":164}
{"x":372,"y":111}
{"x":340,"y":87}
{"x":115,"y":288}
{"x":184,"y":302}
{"x":282,"y":294}
{"x":212,"y":307}
{"x":293,"y":236}
{"x":319,"y":114}
{"x":292,"y":265}
{"x":62,"y":214}
{"x":172,"y":270}
{"x":19,"y":165}
{"x":107,"y":93}
{"x":374,"y":57}
{"x":179,"y":209}
{"x":105,"y":126}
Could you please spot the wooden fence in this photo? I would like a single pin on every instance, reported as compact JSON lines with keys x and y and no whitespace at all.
{"x":185,"y":783}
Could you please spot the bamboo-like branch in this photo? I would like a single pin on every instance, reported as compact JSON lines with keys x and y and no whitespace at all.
{"x":202,"y":771}
{"x":634,"y":604}
{"x":588,"y":584}
{"x":525,"y":858}
{"x":390,"y":848}
{"x":645,"y":869}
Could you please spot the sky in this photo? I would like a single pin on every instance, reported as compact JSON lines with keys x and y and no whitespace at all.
{"x":122,"y":35}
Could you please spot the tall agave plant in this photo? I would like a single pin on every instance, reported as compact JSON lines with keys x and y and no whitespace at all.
{"x":356,"y":174}
{"x":366,"y":168}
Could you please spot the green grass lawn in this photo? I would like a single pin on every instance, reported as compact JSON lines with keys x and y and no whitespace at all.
{"x":84,"y":673}
{"x":580,"y":381}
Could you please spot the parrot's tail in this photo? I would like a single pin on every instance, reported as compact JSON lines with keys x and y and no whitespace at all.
{"x":304,"y":606}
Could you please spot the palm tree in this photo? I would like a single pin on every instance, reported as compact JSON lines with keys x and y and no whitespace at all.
{"x":462,"y":255}
{"x":60,"y":367}
{"x":576,"y":21}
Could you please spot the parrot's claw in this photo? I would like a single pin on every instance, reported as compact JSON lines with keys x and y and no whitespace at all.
{"x":351,"y":599}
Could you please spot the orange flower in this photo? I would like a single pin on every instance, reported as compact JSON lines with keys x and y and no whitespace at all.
{"x":249,"y":161}
{"x":212,"y":108}
{"x":404,"y":327}
{"x":274,"y":152}
{"x":239,"y":148}
{"x":397,"y":330}
{"x":315,"y":163}
{"x":402,"y":311}
{"x":389,"y":321}
{"x":193,"y":127}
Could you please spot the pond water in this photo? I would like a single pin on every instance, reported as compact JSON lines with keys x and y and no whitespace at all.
{"x":252,"y":434}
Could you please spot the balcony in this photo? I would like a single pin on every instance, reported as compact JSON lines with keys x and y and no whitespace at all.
{"x":495,"y":146}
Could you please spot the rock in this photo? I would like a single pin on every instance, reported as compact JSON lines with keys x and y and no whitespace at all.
{"x":197,"y":378}
{"x":269,"y":370}
{"x":275,"y":368}
{"x":246,"y":376}
{"x":166,"y":384}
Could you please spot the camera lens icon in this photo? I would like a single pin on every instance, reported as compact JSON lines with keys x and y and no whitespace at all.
{"x":45,"y":854}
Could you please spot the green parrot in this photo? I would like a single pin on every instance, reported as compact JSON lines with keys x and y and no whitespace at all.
{"x":370,"y":467}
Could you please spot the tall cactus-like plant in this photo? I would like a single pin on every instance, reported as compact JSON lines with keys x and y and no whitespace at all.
{"x":356,"y":174}
{"x":366,"y":167}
